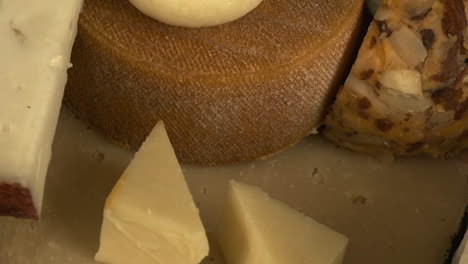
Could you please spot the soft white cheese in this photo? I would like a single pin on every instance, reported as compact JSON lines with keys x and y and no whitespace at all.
{"x":150,"y":216}
{"x":258,"y":229}
{"x":200,"y":13}
{"x":35,"y":47}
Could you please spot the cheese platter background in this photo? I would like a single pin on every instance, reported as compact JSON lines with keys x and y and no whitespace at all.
{"x":402,"y":211}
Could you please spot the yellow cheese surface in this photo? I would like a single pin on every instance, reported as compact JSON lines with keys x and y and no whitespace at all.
{"x":150,"y":216}
{"x":257,"y":229}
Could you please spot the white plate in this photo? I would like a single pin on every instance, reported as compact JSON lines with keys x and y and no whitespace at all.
{"x":400,"y":212}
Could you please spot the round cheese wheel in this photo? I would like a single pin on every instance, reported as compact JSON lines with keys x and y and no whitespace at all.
{"x":201,"y":13}
{"x":230,"y":93}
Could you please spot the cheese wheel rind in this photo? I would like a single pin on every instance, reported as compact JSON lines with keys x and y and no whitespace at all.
{"x":188,"y":13}
{"x":231,"y":93}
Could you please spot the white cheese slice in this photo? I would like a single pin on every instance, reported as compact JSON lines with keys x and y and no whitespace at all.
{"x":35,"y":47}
{"x":258,"y":229}
{"x":150,"y":216}
{"x":461,"y":257}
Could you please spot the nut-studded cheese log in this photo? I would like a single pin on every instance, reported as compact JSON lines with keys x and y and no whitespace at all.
{"x":407,"y":92}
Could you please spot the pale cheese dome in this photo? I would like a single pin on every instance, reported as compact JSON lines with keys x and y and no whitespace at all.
{"x":201,"y":13}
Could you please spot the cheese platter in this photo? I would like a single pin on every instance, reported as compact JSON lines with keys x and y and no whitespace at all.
{"x":233,"y":132}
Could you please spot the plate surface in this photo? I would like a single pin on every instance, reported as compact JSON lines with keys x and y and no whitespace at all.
{"x":393,"y":212}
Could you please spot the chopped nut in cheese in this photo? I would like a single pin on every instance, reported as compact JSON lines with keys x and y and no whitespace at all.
{"x":258,"y":229}
{"x":150,"y":216}
{"x":408,"y":90}
{"x":36,"y":39}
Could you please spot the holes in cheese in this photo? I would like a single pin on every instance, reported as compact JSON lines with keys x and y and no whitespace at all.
{"x":150,"y":216}
{"x":258,"y":229}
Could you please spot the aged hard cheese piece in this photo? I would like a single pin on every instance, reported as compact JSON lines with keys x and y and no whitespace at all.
{"x":229,"y":93}
{"x":189,"y":13}
{"x":35,"y":46}
{"x":150,"y":216}
{"x":408,"y":90}
{"x":258,"y":229}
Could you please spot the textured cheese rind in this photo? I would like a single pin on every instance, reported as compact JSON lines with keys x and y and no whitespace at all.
{"x":36,"y":42}
{"x":424,"y":113}
{"x":150,"y":216}
{"x":188,"y":13}
{"x":258,"y":229}
{"x":231,"y":93}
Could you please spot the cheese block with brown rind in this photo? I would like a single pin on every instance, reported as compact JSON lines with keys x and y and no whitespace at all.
{"x":229,"y":93}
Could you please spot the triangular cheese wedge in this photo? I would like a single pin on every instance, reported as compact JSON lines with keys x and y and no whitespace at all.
{"x":257,"y":229}
{"x":150,"y":216}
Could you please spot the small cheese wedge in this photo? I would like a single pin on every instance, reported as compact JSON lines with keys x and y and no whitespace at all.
{"x":36,"y":39}
{"x":257,"y":229}
{"x":150,"y":216}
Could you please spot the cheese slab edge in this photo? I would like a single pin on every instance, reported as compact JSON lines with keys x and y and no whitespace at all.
{"x":258,"y":229}
{"x":150,"y":215}
{"x":36,"y":43}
